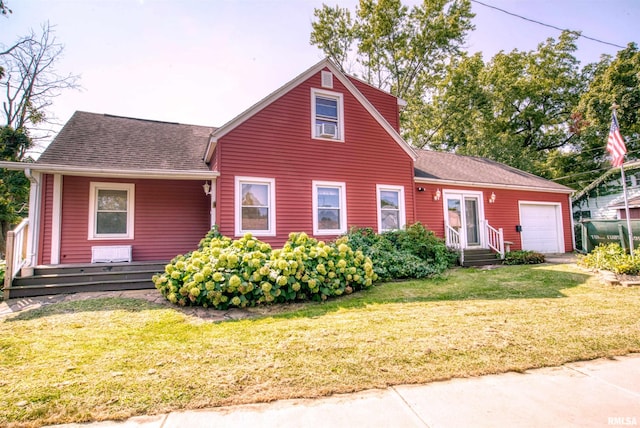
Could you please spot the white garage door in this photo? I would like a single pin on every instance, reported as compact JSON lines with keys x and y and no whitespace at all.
{"x":541,"y":227}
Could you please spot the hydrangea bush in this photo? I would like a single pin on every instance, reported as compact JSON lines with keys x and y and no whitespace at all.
{"x":225,"y":273}
{"x":611,"y":257}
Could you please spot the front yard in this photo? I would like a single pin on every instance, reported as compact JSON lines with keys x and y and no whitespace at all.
{"x":114,"y":358}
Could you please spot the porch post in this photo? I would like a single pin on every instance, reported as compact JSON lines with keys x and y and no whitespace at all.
{"x":33,"y":233}
{"x":214,"y":197}
{"x":8,"y":273}
{"x":56,"y":221}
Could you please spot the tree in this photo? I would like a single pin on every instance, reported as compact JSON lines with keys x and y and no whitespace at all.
{"x":516,"y":109}
{"x":611,"y":80}
{"x":29,"y":83}
{"x":393,"y":47}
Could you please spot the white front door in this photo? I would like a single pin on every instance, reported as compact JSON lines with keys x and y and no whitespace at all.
{"x":463,"y":213}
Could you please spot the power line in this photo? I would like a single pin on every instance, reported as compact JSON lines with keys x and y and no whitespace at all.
{"x":547,"y":25}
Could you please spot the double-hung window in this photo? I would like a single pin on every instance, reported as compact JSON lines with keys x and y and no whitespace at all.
{"x":391,"y":212}
{"x":111,"y":210}
{"x":327,"y":115}
{"x":329,"y":208}
{"x":255,"y":206}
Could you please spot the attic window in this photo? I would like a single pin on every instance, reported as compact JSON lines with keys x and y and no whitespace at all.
{"x":327,"y":79}
{"x":327,"y":115}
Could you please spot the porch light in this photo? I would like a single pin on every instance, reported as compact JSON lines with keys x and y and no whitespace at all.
{"x":207,"y":188}
{"x":492,"y":198}
{"x":436,"y":196}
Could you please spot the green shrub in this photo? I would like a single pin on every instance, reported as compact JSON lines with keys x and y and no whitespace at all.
{"x":223,"y":273}
{"x":522,"y":257}
{"x":3,"y":269}
{"x":610,"y":257}
{"x":414,"y":252}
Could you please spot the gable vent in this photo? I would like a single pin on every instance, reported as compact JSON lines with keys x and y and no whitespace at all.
{"x":327,"y":79}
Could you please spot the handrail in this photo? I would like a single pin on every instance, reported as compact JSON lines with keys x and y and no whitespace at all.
{"x":495,"y":238}
{"x":16,"y":253}
{"x":453,"y":241}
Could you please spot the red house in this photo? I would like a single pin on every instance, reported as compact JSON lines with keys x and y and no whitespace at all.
{"x":321,"y":154}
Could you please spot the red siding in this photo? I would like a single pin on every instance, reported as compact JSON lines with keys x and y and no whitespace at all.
{"x":44,"y":245}
{"x":634,"y":213}
{"x":384,"y":102}
{"x":171,"y":216}
{"x":504,"y":213}
{"x":276,"y":143}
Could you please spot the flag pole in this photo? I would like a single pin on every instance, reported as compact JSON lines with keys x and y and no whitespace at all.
{"x":614,"y":107}
{"x":626,"y":209}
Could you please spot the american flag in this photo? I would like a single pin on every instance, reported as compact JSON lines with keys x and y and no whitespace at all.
{"x":615,"y":143}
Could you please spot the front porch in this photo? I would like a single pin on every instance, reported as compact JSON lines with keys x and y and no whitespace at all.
{"x":85,"y":277}
{"x":491,"y":250}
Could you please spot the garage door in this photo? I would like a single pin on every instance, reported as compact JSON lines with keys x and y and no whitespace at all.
{"x":541,"y":227}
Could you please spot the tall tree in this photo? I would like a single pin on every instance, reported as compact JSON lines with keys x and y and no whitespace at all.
{"x":393,"y":47}
{"x":611,"y":80}
{"x":516,"y":109}
{"x":29,"y":83}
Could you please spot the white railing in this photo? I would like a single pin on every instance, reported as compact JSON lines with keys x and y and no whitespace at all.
{"x":453,"y":241}
{"x":16,"y":253}
{"x":495,"y":238}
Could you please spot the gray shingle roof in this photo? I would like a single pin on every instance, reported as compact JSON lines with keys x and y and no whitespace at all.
{"x":451,"y":167}
{"x":111,"y":142}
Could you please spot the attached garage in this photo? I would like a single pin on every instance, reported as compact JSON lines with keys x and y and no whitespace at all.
{"x":541,"y":227}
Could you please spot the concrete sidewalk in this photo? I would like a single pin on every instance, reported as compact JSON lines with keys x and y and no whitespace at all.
{"x":604,"y":392}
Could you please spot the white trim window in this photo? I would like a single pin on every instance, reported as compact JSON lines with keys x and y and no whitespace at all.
{"x":111,"y":210}
{"x":329,"y":208}
{"x":391,"y":210}
{"x":255,"y":206}
{"x":327,"y":115}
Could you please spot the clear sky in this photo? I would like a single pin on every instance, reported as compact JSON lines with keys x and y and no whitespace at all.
{"x":204,"y":62}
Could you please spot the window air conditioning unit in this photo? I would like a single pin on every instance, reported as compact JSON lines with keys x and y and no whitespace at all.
{"x":328,"y":130}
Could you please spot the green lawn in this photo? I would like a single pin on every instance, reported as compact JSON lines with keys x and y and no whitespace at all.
{"x":114,"y":358}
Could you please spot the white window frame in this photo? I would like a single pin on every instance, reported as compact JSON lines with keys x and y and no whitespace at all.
{"x":271,"y":182}
{"x":343,"y":207}
{"x":401,"y":207}
{"x":94,"y":187}
{"x":315,"y":93}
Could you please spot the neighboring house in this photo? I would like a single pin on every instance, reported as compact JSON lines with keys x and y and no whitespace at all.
{"x":321,"y":154}
{"x":603,"y":199}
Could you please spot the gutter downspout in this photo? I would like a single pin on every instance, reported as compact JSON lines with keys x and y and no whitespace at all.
{"x":34,"y":216}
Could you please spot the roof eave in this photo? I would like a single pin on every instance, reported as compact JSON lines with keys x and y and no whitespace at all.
{"x":166,"y":174}
{"x":439,"y":181}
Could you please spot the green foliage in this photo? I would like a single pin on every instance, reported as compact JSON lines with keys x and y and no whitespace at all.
{"x":610,"y":257}
{"x":611,"y":80}
{"x":515,"y":109}
{"x":246,"y":272}
{"x":394,"y":47}
{"x":523,"y":257}
{"x":414,"y":252}
{"x":3,"y":269}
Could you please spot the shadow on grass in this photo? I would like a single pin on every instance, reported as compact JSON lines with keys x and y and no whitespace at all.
{"x":504,"y":283}
{"x":512,"y":282}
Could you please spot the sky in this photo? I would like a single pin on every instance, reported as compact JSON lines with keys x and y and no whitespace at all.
{"x":204,"y":62}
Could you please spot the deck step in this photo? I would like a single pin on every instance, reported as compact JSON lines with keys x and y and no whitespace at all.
{"x":480,"y":257}
{"x":62,"y":279}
